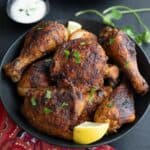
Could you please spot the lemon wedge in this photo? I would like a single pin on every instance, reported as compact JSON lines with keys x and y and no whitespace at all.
{"x":73,"y":26}
{"x":89,"y":132}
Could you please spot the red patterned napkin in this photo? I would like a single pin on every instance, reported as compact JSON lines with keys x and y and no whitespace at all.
{"x":14,"y":138}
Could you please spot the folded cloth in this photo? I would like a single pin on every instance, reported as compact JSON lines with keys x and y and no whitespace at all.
{"x":13,"y":137}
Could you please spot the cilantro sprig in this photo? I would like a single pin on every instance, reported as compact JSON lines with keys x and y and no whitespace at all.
{"x":116,"y":13}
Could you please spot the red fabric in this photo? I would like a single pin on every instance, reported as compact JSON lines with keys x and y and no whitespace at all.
{"x":14,"y":138}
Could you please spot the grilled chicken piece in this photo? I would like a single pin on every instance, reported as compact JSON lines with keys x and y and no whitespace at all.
{"x":121,"y":49}
{"x":95,"y":98}
{"x":56,"y":111}
{"x":80,"y":63}
{"x":118,"y":109}
{"x":36,"y":76}
{"x":83,"y":34}
{"x":112,"y":73}
{"x":40,"y":40}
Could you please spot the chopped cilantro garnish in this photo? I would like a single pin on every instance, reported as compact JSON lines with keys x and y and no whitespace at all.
{"x":76,"y":55}
{"x":64,"y":104}
{"x":110,"y":105}
{"x":126,"y":65}
{"x":33,"y":101}
{"x":91,"y":94}
{"x":111,"y":41}
{"x":67,"y":53}
{"x":47,"y":110}
{"x":48,"y":94}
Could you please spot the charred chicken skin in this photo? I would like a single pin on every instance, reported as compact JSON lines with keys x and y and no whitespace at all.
{"x":56,"y":111}
{"x":71,"y":87}
{"x":80,"y":63}
{"x":118,"y":109}
{"x":36,"y":76}
{"x":122,"y":50}
{"x":39,"y":41}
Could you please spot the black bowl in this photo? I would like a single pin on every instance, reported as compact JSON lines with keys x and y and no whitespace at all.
{"x":12,"y":101}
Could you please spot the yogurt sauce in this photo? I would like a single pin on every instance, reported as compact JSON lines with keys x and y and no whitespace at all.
{"x":28,"y":11}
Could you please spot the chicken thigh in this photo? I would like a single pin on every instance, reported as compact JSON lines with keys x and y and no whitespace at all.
{"x":118,"y":109}
{"x":37,"y":75}
{"x":40,"y":40}
{"x":56,"y":111}
{"x":80,"y":63}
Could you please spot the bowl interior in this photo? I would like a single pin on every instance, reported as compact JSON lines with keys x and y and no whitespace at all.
{"x":12,"y":101}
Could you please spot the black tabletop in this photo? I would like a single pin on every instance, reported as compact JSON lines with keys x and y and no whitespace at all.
{"x":139,"y":138}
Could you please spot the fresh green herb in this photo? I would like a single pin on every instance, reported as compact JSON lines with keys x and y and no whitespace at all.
{"x":116,"y":13}
{"x":76,"y":55}
{"x":32,"y":9}
{"x":33,"y":101}
{"x":91,"y":94}
{"x":27,"y":12}
{"x":47,"y":110}
{"x":111,"y":41}
{"x":21,"y":9}
{"x":127,"y":64}
{"x":129,"y":31}
{"x":64,"y":104}
{"x":48,"y":94}
{"x":82,"y":43}
{"x":67,"y":53}
{"x":113,"y":15}
{"x":110,"y":105}
{"x":146,"y":36}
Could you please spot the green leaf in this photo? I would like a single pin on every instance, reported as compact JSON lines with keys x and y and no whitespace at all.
{"x":111,"y":41}
{"x":47,"y":110}
{"x":91,"y":94}
{"x":116,"y":14}
{"x":110,"y":105}
{"x":139,"y":38}
{"x":113,"y":15}
{"x":129,"y":31}
{"x":126,"y":65}
{"x":146,"y":36}
{"x":66,"y":53}
{"x":48,"y":94}
{"x":33,"y":101}
{"x":107,"y":20}
{"x":64,"y":104}
{"x":76,"y":55}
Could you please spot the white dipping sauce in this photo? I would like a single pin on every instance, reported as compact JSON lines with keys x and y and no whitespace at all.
{"x":28,"y":11}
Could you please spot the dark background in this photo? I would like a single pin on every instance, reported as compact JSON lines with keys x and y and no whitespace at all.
{"x":139,"y":138}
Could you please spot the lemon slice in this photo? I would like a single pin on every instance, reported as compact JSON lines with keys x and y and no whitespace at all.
{"x":89,"y":132}
{"x":73,"y":26}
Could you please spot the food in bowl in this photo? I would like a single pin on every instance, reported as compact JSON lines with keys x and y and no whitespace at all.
{"x":79,"y":83}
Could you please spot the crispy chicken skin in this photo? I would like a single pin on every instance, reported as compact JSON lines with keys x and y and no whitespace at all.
{"x":83,"y":68}
{"x":59,"y":113}
{"x":83,"y":34}
{"x":35,"y":76}
{"x":118,"y":109}
{"x":122,"y":50}
{"x":112,"y":73}
{"x":40,"y":40}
